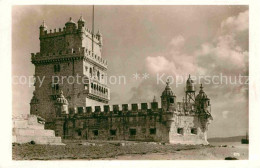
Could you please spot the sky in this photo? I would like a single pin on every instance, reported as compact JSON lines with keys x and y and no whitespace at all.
{"x":155,"y":40}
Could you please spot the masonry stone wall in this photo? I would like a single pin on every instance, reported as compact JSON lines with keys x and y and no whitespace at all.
{"x":138,"y":123}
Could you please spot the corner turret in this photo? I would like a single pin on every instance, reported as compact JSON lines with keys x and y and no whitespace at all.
{"x":81,"y":23}
{"x":70,"y":26}
{"x":43,"y":28}
{"x":202,"y":102}
{"x":168,"y":99}
{"x":99,"y":37}
{"x":61,"y":105}
{"x":34,"y":104}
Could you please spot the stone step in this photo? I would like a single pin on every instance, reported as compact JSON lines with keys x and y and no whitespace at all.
{"x":33,"y":132}
{"x":36,"y":126}
{"x":20,"y":123}
{"x":38,"y":139}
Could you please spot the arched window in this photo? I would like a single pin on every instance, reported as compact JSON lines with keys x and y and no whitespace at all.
{"x":171,"y":100}
{"x":90,"y":72}
{"x":98,"y":75}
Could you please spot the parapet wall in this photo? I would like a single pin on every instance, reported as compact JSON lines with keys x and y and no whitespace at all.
{"x":72,"y":52}
{"x":124,"y":109}
{"x":59,"y":32}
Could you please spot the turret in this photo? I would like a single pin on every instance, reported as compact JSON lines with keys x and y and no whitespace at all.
{"x":99,"y":37}
{"x":190,"y":91}
{"x":70,"y":26}
{"x":202,"y":102}
{"x":168,"y":99}
{"x":33,"y":104}
{"x":81,"y":23}
{"x":42,"y":28}
{"x":61,"y":105}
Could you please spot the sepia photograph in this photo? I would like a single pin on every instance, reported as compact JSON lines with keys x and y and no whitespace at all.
{"x":128,"y":82}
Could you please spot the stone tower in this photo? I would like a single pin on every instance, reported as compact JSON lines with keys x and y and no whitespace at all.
{"x":70,"y":61}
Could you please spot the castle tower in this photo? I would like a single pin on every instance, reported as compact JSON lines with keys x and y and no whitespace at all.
{"x":67,"y":61}
{"x":190,"y":91}
{"x":168,"y":99}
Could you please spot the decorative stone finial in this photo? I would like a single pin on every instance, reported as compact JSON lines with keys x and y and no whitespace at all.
{"x":154,"y":99}
{"x":201,"y":87}
{"x":168,"y":82}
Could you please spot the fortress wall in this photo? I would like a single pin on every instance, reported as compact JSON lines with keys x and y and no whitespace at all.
{"x":124,"y":128}
{"x":186,"y":130}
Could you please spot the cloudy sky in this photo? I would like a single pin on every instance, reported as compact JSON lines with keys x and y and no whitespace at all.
{"x":156,"y":40}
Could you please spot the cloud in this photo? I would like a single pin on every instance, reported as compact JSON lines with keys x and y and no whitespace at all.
{"x":159,"y":64}
{"x":227,"y":52}
{"x":225,"y":114}
{"x":235,"y":24}
{"x":174,"y":61}
{"x":177,"y":41}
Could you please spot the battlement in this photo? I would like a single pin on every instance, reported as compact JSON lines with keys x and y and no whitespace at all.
{"x":56,"y":32}
{"x":126,"y":109}
{"x":70,"y":53}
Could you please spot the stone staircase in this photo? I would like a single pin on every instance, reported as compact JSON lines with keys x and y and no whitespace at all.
{"x":31,"y":129}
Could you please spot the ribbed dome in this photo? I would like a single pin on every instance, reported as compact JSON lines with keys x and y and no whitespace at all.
{"x":70,"y":22}
{"x":81,"y":19}
{"x":61,"y":99}
{"x":168,"y":91}
{"x":189,"y":80}
{"x":202,"y":95}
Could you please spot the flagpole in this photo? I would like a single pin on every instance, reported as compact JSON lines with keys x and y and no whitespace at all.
{"x":93,"y":30}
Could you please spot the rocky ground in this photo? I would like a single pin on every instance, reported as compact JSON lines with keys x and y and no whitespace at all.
{"x":119,"y":150}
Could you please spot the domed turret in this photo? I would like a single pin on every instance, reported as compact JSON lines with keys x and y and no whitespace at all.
{"x":61,"y":105}
{"x":43,"y":28}
{"x":61,"y":99}
{"x":168,"y":98}
{"x":202,"y":101}
{"x":34,"y":104}
{"x":99,"y":37}
{"x":70,"y":25}
{"x":81,"y":22}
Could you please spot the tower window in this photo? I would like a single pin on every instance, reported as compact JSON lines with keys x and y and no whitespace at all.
{"x":98,"y":75}
{"x":112,"y":132}
{"x":95,"y":132}
{"x":171,"y":100}
{"x":152,"y":131}
{"x":90,"y":72}
{"x":132,"y":131}
{"x":79,"y":133}
{"x":193,"y":131}
{"x":57,"y":68}
{"x":180,"y":131}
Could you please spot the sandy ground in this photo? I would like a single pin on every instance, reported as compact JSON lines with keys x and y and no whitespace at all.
{"x":87,"y":150}
{"x":216,"y":153}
